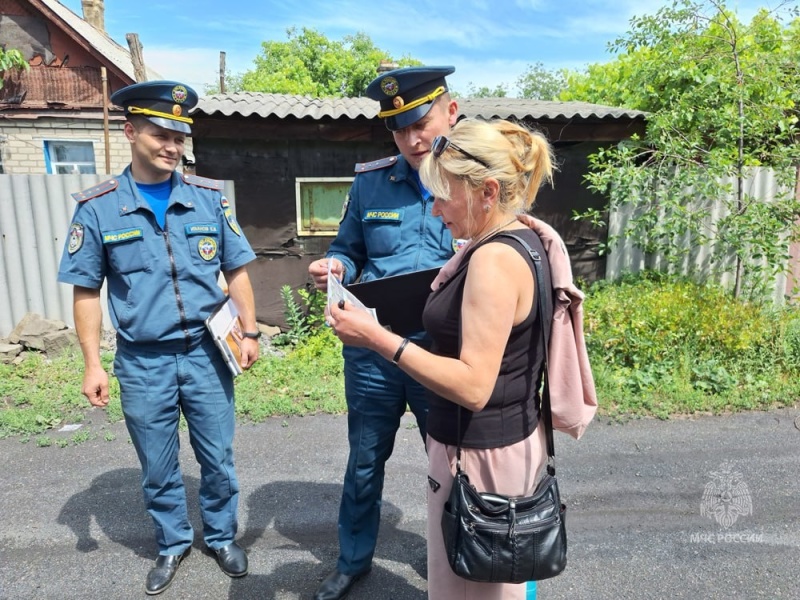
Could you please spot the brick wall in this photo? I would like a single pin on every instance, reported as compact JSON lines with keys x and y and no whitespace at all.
{"x":22,"y":143}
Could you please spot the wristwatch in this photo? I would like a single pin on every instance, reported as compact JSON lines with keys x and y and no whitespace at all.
{"x":253,"y":335}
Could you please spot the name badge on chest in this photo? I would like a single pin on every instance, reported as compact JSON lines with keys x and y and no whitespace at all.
{"x":386,"y":215}
{"x":123,"y":235}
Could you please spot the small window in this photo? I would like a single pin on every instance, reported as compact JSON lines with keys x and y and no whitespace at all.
{"x":319,"y":204}
{"x":69,"y":157}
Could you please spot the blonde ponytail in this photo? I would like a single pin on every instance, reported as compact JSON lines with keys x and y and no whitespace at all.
{"x":519,"y":159}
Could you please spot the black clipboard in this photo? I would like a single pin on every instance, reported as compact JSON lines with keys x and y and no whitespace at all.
{"x":398,"y":300}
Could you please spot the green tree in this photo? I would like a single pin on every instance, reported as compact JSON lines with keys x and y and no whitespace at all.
{"x":723,"y":98}
{"x":500,"y":91}
{"x":602,"y":83}
{"x":311,"y":64}
{"x":540,"y":83}
{"x":11,"y":60}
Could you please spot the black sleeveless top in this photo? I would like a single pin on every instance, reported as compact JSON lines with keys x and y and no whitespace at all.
{"x":512,"y":411}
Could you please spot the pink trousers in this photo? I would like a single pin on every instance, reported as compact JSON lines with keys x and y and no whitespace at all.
{"x":510,"y":470}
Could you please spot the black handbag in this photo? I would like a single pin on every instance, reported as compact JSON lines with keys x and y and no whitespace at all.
{"x":500,"y":539}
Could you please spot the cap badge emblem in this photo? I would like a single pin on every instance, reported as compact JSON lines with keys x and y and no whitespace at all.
{"x":179,"y":94}
{"x":390,"y":86}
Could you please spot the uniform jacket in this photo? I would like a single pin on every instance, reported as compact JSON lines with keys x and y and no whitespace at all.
{"x":387,"y":227}
{"x":573,"y":399}
{"x":162,"y":284}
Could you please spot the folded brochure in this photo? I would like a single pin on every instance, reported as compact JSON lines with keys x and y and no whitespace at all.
{"x":337,"y":292}
{"x":226,"y":329}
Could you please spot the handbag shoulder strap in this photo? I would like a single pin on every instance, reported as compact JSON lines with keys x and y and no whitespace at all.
{"x":543,"y":292}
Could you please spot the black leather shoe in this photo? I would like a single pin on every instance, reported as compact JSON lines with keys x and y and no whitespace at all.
{"x":232,"y":560}
{"x":336,"y":585}
{"x":160,"y":576}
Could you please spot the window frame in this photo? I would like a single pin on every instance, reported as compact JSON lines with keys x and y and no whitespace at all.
{"x":51,"y":165}
{"x":299,"y":184}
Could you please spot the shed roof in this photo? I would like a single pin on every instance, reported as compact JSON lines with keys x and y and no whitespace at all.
{"x":263,"y":105}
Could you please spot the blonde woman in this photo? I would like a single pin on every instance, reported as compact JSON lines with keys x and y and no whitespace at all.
{"x":487,"y":354}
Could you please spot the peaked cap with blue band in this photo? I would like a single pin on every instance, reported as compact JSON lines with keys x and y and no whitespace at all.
{"x":406,"y":95}
{"x":163,"y":103}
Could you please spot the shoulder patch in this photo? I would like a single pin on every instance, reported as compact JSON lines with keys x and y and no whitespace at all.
{"x":381,"y":163}
{"x":93,"y":192}
{"x":203,"y":182}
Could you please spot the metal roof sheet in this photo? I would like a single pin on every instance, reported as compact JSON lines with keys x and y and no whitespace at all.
{"x":264,"y":105}
{"x":247,"y":104}
{"x":519,"y":108}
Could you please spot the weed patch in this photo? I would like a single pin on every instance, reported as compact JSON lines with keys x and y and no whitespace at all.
{"x":41,"y":394}
{"x":658,"y":346}
{"x":664,"y":346}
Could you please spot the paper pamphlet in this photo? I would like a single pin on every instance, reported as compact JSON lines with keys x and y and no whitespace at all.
{"x":337,"y":292}
{"x":226,"y":330}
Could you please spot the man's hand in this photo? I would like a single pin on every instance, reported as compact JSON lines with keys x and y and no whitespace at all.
{"x":95,"y":386}
{"x":319,"y":271}
{"x":249,"y":348}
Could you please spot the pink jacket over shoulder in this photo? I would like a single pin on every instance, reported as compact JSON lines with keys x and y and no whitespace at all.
{"x":572,"y":393}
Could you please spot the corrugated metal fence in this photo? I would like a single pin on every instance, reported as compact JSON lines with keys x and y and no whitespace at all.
{"x":625,"y":257}
{"x":35,"y":213}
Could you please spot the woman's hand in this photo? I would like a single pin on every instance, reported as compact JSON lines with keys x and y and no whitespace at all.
{"x":354,"y":326}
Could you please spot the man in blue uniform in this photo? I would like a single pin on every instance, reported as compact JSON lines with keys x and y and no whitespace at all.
{"x":160,"y":240}
{"x":387,"y":229}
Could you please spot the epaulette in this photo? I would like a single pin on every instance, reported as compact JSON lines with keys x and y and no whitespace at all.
{"x":204,"y":182}
{"x":93,"y":192}
{"x":381,"y":163}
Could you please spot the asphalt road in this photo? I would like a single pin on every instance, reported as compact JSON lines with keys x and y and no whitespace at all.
{"x":72,"y":524}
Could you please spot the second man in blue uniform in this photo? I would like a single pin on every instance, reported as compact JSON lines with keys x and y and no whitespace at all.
{"x":387,"y":229}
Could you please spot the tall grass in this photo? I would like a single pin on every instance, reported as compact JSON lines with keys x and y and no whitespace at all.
{"x":659,"y":347}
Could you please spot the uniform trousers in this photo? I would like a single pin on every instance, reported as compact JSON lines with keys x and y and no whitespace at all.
{"x":155,"y":388}
{"x":377,"y":394}
{"x":511,"y":470}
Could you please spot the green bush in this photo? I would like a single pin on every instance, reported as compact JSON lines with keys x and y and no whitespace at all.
{"x":302,"y":321}
{"x":791,"y":342}
{"x":665,"y":345}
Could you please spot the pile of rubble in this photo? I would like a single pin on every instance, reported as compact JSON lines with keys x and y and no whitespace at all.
{"x":36,"y":334}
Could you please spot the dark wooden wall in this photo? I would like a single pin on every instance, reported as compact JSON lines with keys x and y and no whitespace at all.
{"x":265,"y":156}
{"x":556,"y":206}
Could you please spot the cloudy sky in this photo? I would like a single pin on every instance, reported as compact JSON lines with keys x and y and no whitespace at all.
{"x":490,"y":42}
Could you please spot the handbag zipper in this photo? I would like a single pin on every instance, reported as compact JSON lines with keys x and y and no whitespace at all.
{"x":524,"y":528}
{"x":473,"y":529}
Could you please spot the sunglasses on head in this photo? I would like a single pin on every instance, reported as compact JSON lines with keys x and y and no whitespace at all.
{"x":441,"y":143}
